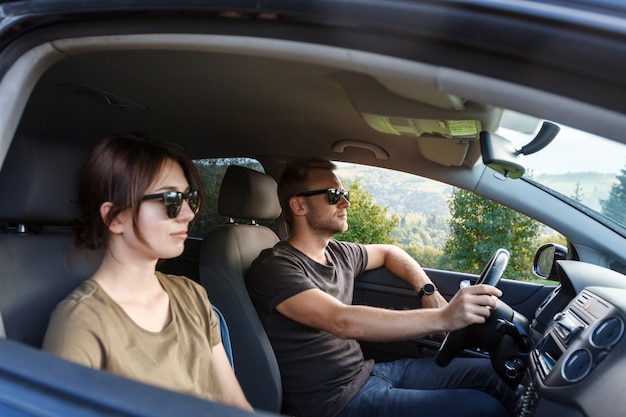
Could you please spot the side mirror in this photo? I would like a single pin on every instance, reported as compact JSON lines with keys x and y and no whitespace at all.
{"x":544,"y":265}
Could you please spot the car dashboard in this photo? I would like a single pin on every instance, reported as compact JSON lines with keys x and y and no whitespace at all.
{"x":577,"y":366}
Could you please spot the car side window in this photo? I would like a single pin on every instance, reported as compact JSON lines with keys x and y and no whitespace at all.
{"x":442,"y":227}
{"x":212,"y":171}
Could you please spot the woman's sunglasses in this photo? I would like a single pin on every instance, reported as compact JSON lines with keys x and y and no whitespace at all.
{"x":173,"y":201}
{"x":334,"y":194}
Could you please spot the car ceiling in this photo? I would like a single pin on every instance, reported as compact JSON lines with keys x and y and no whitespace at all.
{"x":275,"y":98}
{"x":220,"y":95}
{"x":223,"y":104}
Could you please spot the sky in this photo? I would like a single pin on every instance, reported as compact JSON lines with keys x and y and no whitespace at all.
{"x":574,"y":151}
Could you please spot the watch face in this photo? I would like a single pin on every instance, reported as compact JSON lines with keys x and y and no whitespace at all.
{"x":429,"y":289}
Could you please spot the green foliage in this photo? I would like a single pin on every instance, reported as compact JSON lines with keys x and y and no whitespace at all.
{"x":403,"y":193}
{"x":613,"y":207}
{"x":367,"y":221}
{"x":419,"y":203}
{"x":422,"y":230}
{"x":427,"y":257}
{"x":479,"y":226}
{"x":552,"y":237}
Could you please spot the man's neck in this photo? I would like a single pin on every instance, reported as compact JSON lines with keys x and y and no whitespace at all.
{"x":312,"y":246}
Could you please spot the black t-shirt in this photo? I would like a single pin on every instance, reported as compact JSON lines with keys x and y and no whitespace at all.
{"x":320,"y":372}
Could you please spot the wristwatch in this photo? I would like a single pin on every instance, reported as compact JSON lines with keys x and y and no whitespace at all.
{"x":427,"y":289}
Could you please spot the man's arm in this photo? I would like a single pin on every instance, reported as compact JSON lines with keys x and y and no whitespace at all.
{"x":405,"y":267}
{"x":317,"y":309}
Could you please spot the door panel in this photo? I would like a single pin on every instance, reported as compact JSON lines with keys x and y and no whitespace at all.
{"x":380,"y":288}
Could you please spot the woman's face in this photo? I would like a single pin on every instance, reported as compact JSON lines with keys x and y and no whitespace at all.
{"x":164,"y":236}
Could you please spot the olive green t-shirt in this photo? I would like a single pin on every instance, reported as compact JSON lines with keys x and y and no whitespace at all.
{"x":90,"y":328}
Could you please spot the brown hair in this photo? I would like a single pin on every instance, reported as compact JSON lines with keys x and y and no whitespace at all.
{"x":119,"y":170}
{"x":295,"y":179}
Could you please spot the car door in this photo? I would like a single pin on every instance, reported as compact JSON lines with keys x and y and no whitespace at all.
{"x":381,"y":288}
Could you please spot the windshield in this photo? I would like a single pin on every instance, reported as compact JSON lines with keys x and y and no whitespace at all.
{"x":587,"y":168}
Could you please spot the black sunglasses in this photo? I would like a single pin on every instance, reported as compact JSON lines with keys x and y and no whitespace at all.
{"x":334,"y":194}
{"x":173,"y":201}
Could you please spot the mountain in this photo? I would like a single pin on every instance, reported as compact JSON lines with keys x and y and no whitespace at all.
{"x":592,"y":186}
{"x":403,"y":193}
{"x":422,"y":204}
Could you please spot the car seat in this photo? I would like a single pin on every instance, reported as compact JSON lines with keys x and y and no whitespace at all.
{"x":225,"y":256}
{"x":40,"y":264}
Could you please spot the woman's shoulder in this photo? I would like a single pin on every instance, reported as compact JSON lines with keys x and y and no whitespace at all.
{"x":179,"y":284}
{"x":86,"y":293}
{"x":84,"y":303}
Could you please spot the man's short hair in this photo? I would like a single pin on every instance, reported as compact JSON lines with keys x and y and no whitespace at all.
{"x":295,"y":179}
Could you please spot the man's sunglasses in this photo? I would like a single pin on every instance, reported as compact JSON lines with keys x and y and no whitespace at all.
{"x":173,"y":201}
{"x":334,"y":194}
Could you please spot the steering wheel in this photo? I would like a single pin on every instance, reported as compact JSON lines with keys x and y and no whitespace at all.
{"x":458,"y":340}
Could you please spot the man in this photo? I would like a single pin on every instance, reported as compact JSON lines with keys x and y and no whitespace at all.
{"x":302,"y":289}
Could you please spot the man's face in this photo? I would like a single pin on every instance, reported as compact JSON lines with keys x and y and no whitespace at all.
{"x":322,"y":217}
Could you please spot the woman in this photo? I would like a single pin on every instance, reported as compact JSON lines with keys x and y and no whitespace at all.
{"x":137,"y":199}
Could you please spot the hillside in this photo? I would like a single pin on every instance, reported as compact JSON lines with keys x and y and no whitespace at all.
{"x":422,"y":204}
{"x":593,"y":186}
{"x":402,"y":193}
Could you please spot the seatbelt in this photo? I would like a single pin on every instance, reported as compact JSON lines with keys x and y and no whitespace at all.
{"x":225,"y":336}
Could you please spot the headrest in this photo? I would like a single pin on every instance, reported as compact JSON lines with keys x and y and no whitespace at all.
{"x":39,"y":182}
{"x":248,"y":194}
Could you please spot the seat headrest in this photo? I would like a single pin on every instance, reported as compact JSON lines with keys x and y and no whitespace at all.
{"x":39,"y":182}
{"x":248,"y":194}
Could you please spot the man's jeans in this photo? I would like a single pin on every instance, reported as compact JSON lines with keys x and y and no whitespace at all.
{"x":418,"y":387}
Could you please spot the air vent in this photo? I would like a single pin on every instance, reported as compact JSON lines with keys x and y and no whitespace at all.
{"x":583,"y":299}
{"x":607,"y":333}
{"x":577,"y":365}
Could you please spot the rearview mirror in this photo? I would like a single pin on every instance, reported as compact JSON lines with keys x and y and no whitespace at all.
{"x":499,"y":154}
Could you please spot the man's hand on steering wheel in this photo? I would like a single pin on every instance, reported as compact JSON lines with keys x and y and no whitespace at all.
{"x":471,"y":305}
{"x":475,"y":309}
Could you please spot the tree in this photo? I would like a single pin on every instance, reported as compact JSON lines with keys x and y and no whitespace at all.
{"x":578,"y":193}
{"x":428,"y":257}
{"x":423,"y":230}
{"x":479,"y":226}
{"x":613,"y":207}
{"x":367,"y":221}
